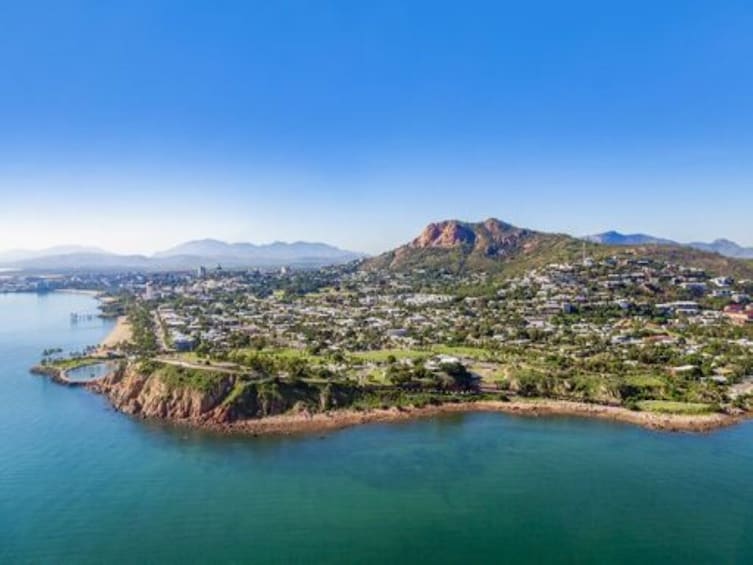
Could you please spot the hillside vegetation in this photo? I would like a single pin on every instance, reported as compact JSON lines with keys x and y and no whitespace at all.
{"x":496,"y":247}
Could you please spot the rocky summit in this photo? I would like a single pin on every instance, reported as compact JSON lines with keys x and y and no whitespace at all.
{"x":491,"y":237}
{"x":488,"y":245}
{"x":494,"y":246}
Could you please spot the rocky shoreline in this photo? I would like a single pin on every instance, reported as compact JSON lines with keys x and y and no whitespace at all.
{"x":151,"y":399}
{"x":289,"y":424}
{"x":53,"y":373}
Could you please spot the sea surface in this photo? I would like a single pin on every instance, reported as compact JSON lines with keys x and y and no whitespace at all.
{"x":90,"y":372}
{"x":80,"y":483}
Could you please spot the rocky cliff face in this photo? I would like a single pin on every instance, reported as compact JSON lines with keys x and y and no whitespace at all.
{"x":490,"y":237}
{"x":444,"y":235}
{"x":229,"y":398}
{"x":150,"y":396}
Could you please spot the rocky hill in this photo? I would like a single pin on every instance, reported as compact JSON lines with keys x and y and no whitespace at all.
{"x":495,"y":246}
{"x":491,"y":245}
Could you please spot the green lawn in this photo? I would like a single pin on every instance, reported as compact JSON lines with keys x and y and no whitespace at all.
{"x":645,"y":381}
{"x":182,"y":377}
{"x":76,"y":362}
{"x":672,"y":407}
{"x":478,"y":353}
{"x":288,"y":353}
{"x":189,"y":357}
{"x":381,"y":355}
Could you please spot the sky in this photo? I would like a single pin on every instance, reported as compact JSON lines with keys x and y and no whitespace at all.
{"x":137,"y":125}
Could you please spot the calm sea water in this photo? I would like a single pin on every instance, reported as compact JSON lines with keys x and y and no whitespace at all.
{"x":80,"y":483}
{"x":90,"y":372}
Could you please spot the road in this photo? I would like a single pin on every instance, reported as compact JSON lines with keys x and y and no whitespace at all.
{"x":228,"y":368}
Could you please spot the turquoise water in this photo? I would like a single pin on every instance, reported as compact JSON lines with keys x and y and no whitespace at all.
{"x":80,"y":483}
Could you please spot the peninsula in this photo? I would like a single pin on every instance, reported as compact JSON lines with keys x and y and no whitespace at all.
{"x":466,"y":317}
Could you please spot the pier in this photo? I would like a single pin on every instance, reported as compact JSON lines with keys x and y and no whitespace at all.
{"x":77,"y":317}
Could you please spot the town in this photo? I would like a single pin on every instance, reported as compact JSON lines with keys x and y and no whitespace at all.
{"x":621,"y":330}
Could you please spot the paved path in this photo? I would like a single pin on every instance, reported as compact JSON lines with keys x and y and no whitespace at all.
{"x":228,"y":368}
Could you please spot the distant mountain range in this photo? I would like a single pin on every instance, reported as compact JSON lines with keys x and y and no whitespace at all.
{"x":722,"y":246}
{"x":490,"y":246}
{"x":277,"y":251}
{"x":189,"y":255}
{"x":26,"y":254}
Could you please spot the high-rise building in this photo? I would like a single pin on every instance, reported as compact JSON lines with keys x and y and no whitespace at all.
{"x":149,"y":291}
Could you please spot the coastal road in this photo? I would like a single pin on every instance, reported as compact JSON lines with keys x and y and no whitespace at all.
{"x":159,"y":332}
{"x":227,"y":368}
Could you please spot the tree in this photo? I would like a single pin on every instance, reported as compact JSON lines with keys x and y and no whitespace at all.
{"x":460,"y":375}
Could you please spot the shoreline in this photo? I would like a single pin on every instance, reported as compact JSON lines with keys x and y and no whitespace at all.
{"x":306,"y":423}
{"x":80,"y":291}
{"x":121,"y":332}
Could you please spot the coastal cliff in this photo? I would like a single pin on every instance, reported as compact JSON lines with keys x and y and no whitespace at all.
{"x":230,"y":402}
{"x":256,"y":404}
{"x":148,"y":395}
{"x":171,"y":393}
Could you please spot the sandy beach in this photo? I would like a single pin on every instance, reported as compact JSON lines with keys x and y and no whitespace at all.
{"x":120,"y":332}
{"x":287,"y":424}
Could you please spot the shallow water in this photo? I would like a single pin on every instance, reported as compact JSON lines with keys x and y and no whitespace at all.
{"x":80,"y":483}
{"x":89,"y":372}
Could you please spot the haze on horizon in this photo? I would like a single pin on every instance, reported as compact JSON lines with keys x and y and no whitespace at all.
{"x":137,"y":127}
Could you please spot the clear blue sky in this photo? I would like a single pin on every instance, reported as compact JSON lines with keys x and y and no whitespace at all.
{"x":135,"y":125}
